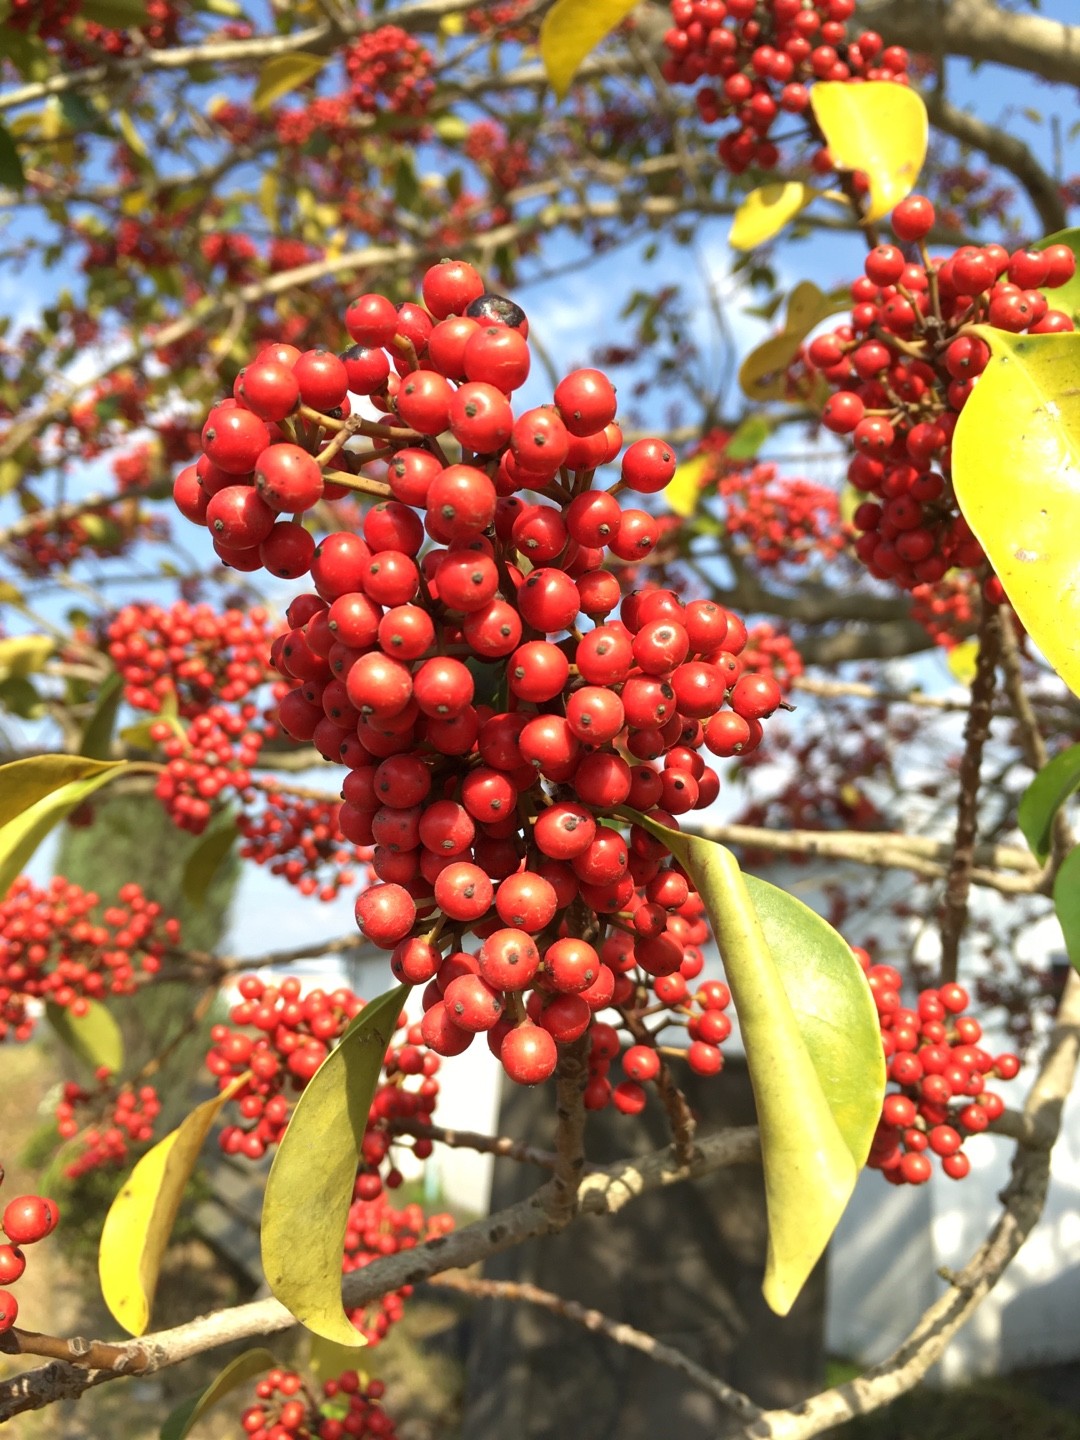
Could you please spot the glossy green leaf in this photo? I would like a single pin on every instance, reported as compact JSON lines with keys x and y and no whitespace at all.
{"x":140,"y":1220}
{"x":97,"y":738}
{"x":283,"y":73}
{"x":813,"y":1049}
{"x":571,"y":30}
{"x":765,"y":212}
{"x":94,"y":1038}
{"x":207,"y":858}
{"x":37,"y":793}
{"x":11,"y":168}
{"x":314,"y":1171}
{"x":238,"y":1372}
{"x":1065,"y":297}
{"x":1016,"y":474}
{"x":1067,"y":903}
{"x":879,"y":128}
{"x":1044,"y":797}
{"x":20,"y":696}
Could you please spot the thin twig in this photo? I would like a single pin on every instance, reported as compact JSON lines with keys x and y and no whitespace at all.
{"x":601,"y":1324}
{"x":958,"y":883}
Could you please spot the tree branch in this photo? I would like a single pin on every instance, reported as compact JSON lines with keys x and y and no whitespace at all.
{"x":601,"y":1324}
{"x":603,"y":1192}
{"x":962,"y":861}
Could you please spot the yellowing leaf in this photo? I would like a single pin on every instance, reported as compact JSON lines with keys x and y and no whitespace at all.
{"x":189,"y":1412}
{"x":283,"y":73}
{"x":37,"y":793}
{"x":1016,"y":473}
{"x":22,"y":655}
{"x":813,"y":1048}
{"x":879,"y":128}
{"x":570,"y":30}
{"x":310,"y":1186}
{"x":140,"y":1219}
{"x":684,"y":489}
{"x":762,"y":374}
{"x":766,"y":211}
{"x":132,"y":139}
{"x":961,"y":661}
{"x":94,"y":1038}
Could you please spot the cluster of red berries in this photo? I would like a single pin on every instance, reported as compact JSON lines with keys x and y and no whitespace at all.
{"x":782,"y":520}
{"x":300,"y":840}
{"x":376,"y":1229}
{"x":128,"y":1119}
{"x":771,"y":652}
{"x":940,"y":1070}
{"x":52,"y":947}
{"x":296,"y":1033}
{"x":204,"y":760}
{"x":189,"y":652}
{"x":903,"y":368}
{"x":389,"y":69}
{"x":949,"y":610}
{"x":288,"y":1408}
{"x":26,"y":1219}
{"x":764,"y":58}
{"x":486,"y":736}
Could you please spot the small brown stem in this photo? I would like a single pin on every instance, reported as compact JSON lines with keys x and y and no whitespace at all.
{"x":977,"y":728}
{"x":680,"y":1116}
{"x":560,"y":1194}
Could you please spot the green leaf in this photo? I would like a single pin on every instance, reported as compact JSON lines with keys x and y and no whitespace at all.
{"x":572,"y":29}
{"x":245,"y":1367}
{"x":1044,"y":797}
{"x":94,"y":1038}
{"x":762,"y":373}
{"x":35,"y":795}
{"x":1016,"y":474}
{"x":1065,"y":297}
{"x":97,"y":737}
{"x":283,"y":73}
{"x":766,"y":211}
{"x":132,"y":139}
{"x":813,"y":1048}
{"x":206,"y":859}
{"x":314,"y":1172}
{"x":11,"y":169}
{"x":140,"y":1219}
{"x":1067,"y":903}
{"x":20,"y":697}
{"x":748,"y":438}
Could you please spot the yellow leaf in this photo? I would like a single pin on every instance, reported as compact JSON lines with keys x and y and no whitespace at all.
{"x":571,"y":29}
{"x":11,"y":473}
{"x":1016,"y":473}
{"x":684,"y":489}
{"x":762,"y":374}
{"x":850,"y":500}
{"x":813,"y":1049}
{"x":37,"y":793}
{"x":879,"y":128}
{"x":283,"y":73}
{"x":961,"y":661}
{"x":766,"y":211}
{"x":134,"y":141}
{"x":94,"y":1037}
{"x":22,"y":655}
{"x":310,"y":1186}
{"x":140,"y":1219}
